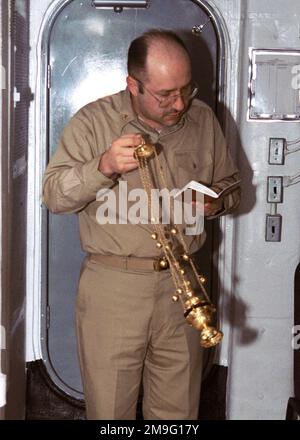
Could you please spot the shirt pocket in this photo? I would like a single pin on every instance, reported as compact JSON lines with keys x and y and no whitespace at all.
{"x":189,"y":165}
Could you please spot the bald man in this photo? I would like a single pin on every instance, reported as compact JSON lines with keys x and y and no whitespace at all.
{"x":128,"y":330}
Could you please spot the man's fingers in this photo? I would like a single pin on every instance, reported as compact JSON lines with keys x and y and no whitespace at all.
{"x":127,"y":152}
{"x":129,"y":141}
{"x":119,"y":157}
{"x":130,"y":167}
{"x":213,"y":207}
{"x":208,"y":199}
{"x":130,"y":161}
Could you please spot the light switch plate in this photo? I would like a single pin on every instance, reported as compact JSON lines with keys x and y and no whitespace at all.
{"x":273,"y":227}
{"x":276,"y":151}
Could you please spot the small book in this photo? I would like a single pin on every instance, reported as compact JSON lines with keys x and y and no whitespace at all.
{"x":205,"y":189}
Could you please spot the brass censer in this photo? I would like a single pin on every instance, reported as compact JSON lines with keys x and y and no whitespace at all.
{"x":198,"y":309}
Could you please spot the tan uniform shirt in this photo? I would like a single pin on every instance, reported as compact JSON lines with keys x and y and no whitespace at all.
{"x":194,"y":149}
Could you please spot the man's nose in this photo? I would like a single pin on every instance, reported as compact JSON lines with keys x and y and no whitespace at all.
{"x":179,"y":104}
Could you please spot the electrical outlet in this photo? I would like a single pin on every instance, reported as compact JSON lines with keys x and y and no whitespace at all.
{"x":275,"y":189}
{"x":273,"y":227}
{"x":276,"y":151}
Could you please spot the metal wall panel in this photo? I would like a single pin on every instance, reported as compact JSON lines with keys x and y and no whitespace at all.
{"x":261,"y":354}
{"x":14,"y":148}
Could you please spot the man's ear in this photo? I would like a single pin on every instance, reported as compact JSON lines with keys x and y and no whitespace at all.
{"x":132,"y":85}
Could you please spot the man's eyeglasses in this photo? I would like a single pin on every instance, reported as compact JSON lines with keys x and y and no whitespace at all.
{"x":188,"y":93}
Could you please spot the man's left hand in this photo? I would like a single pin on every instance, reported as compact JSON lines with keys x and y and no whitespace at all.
{"x":212,"y":206}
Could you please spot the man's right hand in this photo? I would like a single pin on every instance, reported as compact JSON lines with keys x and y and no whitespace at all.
{"x":118,"y":159}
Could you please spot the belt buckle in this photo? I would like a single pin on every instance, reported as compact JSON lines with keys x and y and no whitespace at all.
{"x":160,"y":264}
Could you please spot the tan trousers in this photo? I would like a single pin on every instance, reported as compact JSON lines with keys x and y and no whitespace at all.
{"x":129,"y":330}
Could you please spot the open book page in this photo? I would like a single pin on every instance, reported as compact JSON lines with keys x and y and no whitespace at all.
{"x":205,"y":189}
